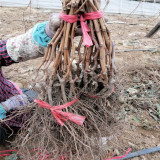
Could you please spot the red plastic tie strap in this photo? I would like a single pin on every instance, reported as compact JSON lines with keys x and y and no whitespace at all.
{"x":69,"y":18}
{"x":61,"y":116}
{"x":5,"y":153}
{"x":87,"y":41}
{"x":120,"y":157}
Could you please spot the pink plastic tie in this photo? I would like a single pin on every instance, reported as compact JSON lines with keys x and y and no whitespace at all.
{"x":69,"y":18}
{"x":5,"y":153}
{"x":87,"y":41}
{"x":120,"y":157}
{"x":61,"y":116}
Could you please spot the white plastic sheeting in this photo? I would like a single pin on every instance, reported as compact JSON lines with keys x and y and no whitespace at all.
{"x":115,"y":6}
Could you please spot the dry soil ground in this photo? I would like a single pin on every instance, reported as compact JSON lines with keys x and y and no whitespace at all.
{"x":137,"y":96}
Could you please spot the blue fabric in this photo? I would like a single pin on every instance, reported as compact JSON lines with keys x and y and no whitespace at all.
{"x":2,"y":112}
{"x":39,"y":36}
{"x":31,"y":95}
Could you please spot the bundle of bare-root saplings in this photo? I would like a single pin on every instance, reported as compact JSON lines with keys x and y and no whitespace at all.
{"x":76,"y":77}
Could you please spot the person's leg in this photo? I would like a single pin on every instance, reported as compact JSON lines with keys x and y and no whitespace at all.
{"x":3,"y":134}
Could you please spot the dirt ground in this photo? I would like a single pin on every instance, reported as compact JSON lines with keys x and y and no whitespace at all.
{"x":137,"y":93}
